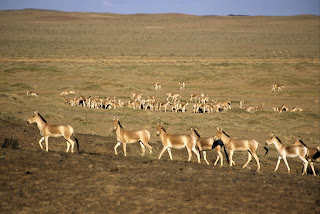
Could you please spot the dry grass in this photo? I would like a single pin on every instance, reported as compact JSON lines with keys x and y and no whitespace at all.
{"x":110,"y":55}
{"x":113,"y":55}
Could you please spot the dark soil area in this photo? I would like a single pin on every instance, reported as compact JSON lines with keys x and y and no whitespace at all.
{"x":97,"y":181}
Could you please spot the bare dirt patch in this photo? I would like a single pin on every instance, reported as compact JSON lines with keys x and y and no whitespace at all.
{"x":98,"y":181}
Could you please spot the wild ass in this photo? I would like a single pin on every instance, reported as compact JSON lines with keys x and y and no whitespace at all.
{"x":178,"y":105}
{"x":67,"y":92}
{"x":177,"y":142}
{"x":248,"y":109}
{"x":164,"y":104}
{"x":172,"y":97}
{"x":125,"y":137}
{"x":277,"y":86}
{"x":296,"y":109}
{"x":136,"y":96}
{"x":290,"y":151}
{"x":226,"y":104}
{"x":241,"y":102}
{"x":47,"y":130}
{"x":193,"y":97}
{"x":182,"y":85}
{"x":32,"y":93}
{"x":281,"y":108}
{"x":203,"y":98}
{"x":156,"y":86}
{"x":260,"y":108}
{"x":233,"y":144}
{"x":313,"y":154}
{"x":208,"y":143}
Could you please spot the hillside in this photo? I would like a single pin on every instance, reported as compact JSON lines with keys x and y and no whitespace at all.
{"x":102,"y":56}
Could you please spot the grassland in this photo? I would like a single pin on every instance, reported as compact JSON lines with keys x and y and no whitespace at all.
{"x":52,"y":34}
{"x":114,"y":55}
{"x":106,"y":55}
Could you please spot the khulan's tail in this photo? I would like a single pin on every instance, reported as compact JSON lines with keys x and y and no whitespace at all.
{"x":78,"y":149}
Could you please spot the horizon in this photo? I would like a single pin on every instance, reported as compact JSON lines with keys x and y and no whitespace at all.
{"x":187,"y":7}
{"x":53,"y":10}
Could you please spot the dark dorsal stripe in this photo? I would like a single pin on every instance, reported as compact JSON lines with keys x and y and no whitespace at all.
{"x":196,"y":132}
{"x":225,"y":133}
{"x":302,"y":143}
{"x":278,"y":139}
{"x":42,"y":118}
{"x":119,"y":124}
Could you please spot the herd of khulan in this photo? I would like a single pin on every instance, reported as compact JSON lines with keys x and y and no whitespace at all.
{"x":193,"y":142}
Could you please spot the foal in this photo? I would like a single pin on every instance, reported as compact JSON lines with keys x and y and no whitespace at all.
{"x":177,"y":142}
{"x":233,"y":144}
{"x":126,"y":136}
{"x":47,"y":130}
{"x":290,"y":151}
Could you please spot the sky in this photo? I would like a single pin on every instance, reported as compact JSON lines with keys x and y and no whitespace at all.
{"x":192,"y":7}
